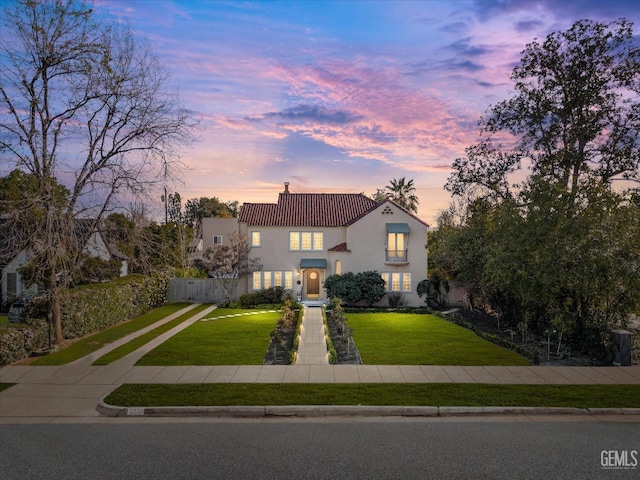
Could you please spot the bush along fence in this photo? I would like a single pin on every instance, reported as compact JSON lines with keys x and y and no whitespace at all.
{"x":86,"y":309}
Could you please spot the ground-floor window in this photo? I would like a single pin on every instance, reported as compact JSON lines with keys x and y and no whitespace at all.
{"x":397,"y":281}
{"x":268,"y":279}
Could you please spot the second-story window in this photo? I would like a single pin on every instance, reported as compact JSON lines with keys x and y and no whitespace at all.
{"x":396,"y":247}
{"x":306,"y":241}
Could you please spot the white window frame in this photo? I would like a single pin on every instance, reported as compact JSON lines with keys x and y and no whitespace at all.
{"x":218,"y":240}
{"x":257,"y":280}
{"x":406,"y":282}
{"x":306,"y":241}
{"x":288,"y":280}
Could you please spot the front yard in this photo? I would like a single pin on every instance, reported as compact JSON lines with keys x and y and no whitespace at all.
{"x":231,"y":337}
{"x":420,"y":339}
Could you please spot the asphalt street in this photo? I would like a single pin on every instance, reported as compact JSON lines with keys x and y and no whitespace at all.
{"x":471,"y":448}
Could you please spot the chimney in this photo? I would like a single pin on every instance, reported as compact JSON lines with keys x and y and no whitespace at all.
{"x":286,"y":187}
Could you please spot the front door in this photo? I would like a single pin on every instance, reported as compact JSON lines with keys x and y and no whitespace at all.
{"x":313,"y":283}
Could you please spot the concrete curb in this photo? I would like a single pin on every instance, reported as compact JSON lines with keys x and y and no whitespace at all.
{"x":315,"y":411}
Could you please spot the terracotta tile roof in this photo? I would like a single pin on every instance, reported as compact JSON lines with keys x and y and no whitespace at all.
{"x":308,"y":210}
{"x":341,"y":247}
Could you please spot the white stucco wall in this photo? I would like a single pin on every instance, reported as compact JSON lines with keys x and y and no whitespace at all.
{"x":366,"y":239}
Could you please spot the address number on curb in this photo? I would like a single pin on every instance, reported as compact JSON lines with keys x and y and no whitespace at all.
{"x":135,"y":411}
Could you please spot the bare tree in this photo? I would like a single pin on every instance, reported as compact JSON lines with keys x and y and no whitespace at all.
{"x":84,"y":103}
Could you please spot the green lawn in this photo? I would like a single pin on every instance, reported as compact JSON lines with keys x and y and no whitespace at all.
{"x":138,"y":342}
{"x":420,"y":339}
{"x":4,"y":320}
{"x":238,"y":340}
{"x":425,"y":394}
{"x":98,"y":340}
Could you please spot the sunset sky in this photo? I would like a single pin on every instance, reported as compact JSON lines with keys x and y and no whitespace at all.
{"x":341,"y":96}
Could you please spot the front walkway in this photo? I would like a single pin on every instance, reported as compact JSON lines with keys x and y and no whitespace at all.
{"x":312,"y":347}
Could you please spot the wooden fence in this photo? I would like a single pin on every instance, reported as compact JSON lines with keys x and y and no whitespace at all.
{"x":203,"y":290}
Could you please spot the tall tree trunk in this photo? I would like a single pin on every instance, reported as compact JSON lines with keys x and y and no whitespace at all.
{"x":53,"y":293}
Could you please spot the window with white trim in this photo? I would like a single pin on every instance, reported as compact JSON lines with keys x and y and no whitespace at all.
{"x":406,"y":282}
{"x":397,"y":281}
{"x":306,"y":241}
{"x":268,"y":279}
{"x":217,"y":240}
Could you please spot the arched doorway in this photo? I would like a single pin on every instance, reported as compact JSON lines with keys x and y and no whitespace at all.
{"x":312,"y":279}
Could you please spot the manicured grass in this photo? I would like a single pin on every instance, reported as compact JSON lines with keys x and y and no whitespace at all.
{"x":98,"y":340}
{"x":424,"y":394}
{"x":238,"y":340}
{"x":4,"y":386}
{"x":420,"y":339}
{"x":138,"y":342}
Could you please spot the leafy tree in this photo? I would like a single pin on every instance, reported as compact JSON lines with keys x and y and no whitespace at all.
{"x":575,"y":115}
{"x":73,"y":82}
{"x":203,"y":207}
{"x":558,"y":251}
{"x":380,"y":195}
{"x":403,"y":193}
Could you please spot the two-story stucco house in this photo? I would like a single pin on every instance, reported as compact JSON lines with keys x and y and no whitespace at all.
{"x":306,"y":237}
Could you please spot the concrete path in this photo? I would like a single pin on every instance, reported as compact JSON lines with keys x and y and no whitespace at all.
{"x":72,"y":392}
{"x":312,"y":347}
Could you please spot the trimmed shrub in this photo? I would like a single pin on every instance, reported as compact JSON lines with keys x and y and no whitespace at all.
{"x":367,"y":287}
{"x":268,"y":296}
{"x":86,"y":309}
{"x":18,"y":341}
{"x":92,"y":308}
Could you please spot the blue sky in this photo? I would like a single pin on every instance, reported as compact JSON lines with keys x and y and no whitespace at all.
{"x":341,"y":96}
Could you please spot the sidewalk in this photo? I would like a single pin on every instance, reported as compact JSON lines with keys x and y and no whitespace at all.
{"x":55,"y":393}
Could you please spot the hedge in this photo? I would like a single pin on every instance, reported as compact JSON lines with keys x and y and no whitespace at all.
{"x":86,"y":309}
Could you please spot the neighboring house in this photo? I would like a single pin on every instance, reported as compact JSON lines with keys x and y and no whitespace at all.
{"x":306,"y":237}
{"x":12,"y":284}
{"x":218,"y":231}
{"x":215,"y":232}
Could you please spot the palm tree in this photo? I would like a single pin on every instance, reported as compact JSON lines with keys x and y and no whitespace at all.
{"x":403,"y":193}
